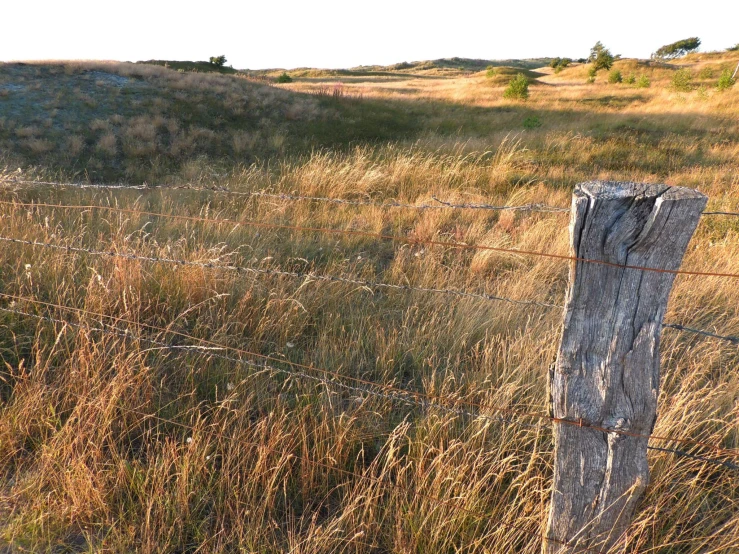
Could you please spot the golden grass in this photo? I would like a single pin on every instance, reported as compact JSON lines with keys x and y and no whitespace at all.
{"x":110,"y":443}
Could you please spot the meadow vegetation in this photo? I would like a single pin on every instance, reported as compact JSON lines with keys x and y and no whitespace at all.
{"x":111,"y":442}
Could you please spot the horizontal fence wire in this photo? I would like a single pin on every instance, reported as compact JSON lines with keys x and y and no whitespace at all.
{"x":311,"y":276}
{"x":192,"y":429}
{"x":363,"y":476}
{"x":441,"y":204}
{"x":677,"y":327}
{"x":367,"y":234}
{"x":406,"y":396}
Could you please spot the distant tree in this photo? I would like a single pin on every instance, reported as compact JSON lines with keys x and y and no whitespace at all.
{"x":558,"y":64}
{"x":734,"y":48}
{"x":218,"y":61}
{"x":601,"y":57}
{"x":677,"y":49}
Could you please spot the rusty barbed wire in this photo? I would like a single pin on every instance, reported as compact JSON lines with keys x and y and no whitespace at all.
{"x":442,"y":204}
{"x":310,"y":276}
{"x":277,"y":272}
{"x":538,"y":207}
{"x":367,"y":234}
{"x":192,"y":429}
{"x":397,"y":394}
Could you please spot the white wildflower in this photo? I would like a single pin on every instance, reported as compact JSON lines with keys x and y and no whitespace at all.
{"x":290,"y":345}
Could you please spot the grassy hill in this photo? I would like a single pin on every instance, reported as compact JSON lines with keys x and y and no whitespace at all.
{"x":441,"y":67}
{"x":110,"y":121}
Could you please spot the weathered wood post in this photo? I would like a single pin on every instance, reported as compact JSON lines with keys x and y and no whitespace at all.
{"x":607,"y":369}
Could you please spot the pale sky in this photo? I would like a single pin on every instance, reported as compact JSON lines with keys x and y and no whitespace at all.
{"x":335,"y":34}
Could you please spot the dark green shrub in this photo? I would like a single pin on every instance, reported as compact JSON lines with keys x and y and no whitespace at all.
{"x":532,"y":122}
{"x":558,"y":64}
{"x":218,"y":61}
{"x":284,"y":78}
{"x":734,"y":48}
{"x":615,"y":77}
{"x":682,"y":81}
{"x":725,"y":81}
{"x":677,"y":49}
{"x":643,"y":82}
{"x":518,"y":88}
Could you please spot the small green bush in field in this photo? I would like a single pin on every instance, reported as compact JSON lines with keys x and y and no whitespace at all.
{"x":615,"y":76}
{"x":725,"y":81}
{"x":532,"y":122}
{"x":518,"y":88}
{"x":630,"y":79}
{"x":706,"y":73}
{"x":643,"y":82}
{"x":490,"y":71}
{"x":592,"y":72}
{"x":682,"y":81}
{"x":284,"y":78}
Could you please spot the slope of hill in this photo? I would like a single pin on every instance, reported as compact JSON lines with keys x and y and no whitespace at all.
{"x":452,"y":67}
{"x":110,"y":121}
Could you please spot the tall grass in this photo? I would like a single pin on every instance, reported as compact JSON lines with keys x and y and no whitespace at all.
{"x":109,"y":442}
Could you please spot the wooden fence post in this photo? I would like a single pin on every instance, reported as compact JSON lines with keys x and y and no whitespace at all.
{"x":607,"y":369}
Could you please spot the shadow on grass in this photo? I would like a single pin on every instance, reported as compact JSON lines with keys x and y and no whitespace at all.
{"x":342,"y":123}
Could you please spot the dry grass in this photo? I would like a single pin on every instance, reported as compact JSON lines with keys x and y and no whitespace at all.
{"x":110,"y":443}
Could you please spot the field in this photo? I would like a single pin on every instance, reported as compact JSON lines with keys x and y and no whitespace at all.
{"x":207,"y":361}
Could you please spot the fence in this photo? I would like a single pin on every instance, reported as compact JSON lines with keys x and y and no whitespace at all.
{"x":562,"y":540}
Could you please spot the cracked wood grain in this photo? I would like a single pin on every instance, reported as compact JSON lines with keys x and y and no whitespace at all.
{"x":607,"y":368}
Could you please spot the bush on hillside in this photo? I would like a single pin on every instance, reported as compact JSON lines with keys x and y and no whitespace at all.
{"x":592,"y":72}
{"x":630,"y":79}
{"x":682,"y":81}
{"x":284,"y":78}
{"x":601,"y":57}
{"x":706,"y":73}
{"x":615,"y":77}
{"x":677,"y":49}
{"x":558,"y":64}
{"x":218,"y":61}
{"x":518,"y":88}
{"x":490,"y":71}
{"x":725,"y":81}
{"x":643,"y":82}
